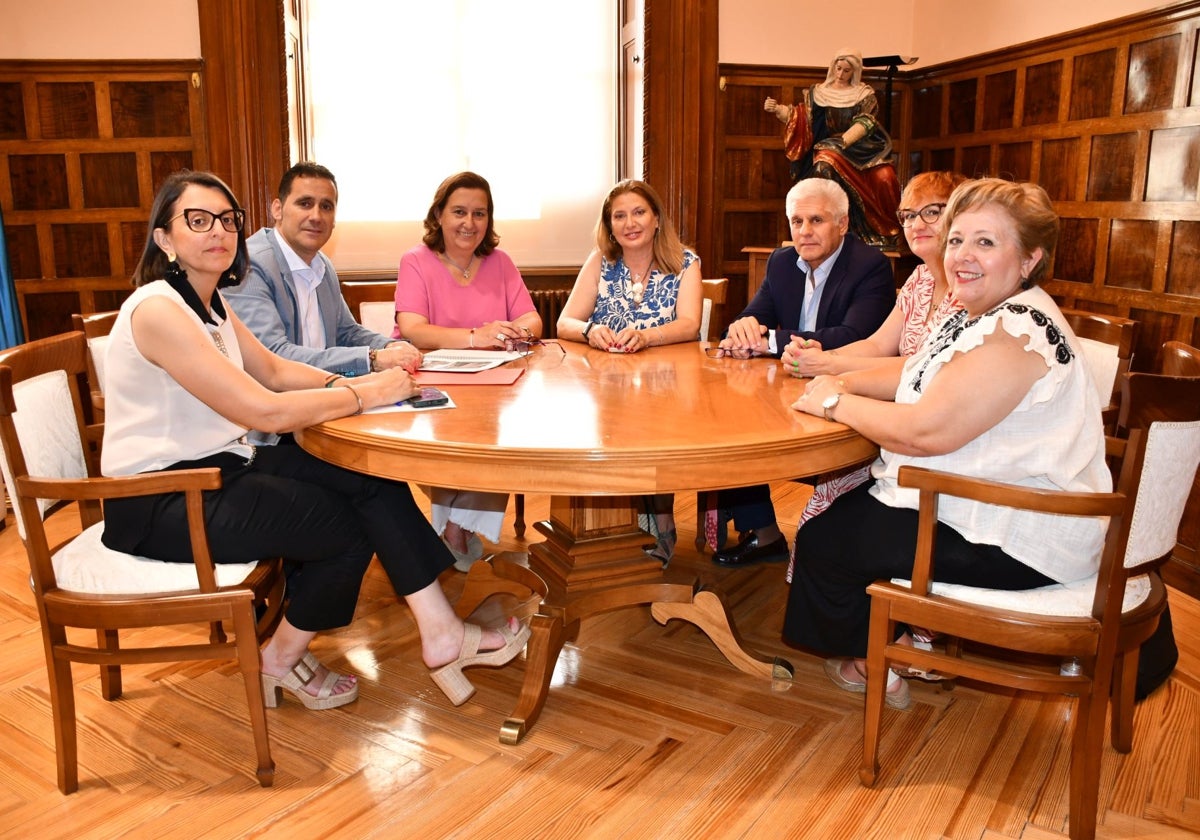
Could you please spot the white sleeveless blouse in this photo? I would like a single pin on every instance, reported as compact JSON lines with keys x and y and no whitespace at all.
{"x":150,"y":421}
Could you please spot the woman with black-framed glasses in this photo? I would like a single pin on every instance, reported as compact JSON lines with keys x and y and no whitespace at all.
{"x":186,"y":381}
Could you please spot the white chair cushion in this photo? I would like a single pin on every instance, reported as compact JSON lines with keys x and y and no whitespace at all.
{"x":1172,"y":456}
{"x":1102,"y":362}
{"x":45,"y":423}
{"x":378,"y":316}
{"x":1064,"y":599}
{"x":88,"y":565}
{"x":98,"y":347}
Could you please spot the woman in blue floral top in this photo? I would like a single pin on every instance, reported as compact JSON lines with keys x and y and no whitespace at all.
{"x":639,"y":288}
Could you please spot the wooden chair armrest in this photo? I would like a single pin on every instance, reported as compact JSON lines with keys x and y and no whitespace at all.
{"x":933,"y":483}
{"x":936,"y":482}
{"x":122,"y":487}
{"x":189,"y":482}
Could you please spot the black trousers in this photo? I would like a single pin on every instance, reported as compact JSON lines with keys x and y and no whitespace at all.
{"x":326,"y":521}
{"x":859,"y":540}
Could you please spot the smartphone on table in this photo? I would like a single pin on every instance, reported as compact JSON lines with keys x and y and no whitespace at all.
{"x":428,"y":398}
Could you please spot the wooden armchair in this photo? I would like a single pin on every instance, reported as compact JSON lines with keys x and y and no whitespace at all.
{"x":1108,"y":342}
{"x":715,"y":292}
{"x":95,"y":326}
{"x":1179,"y":359}
{"x":80,"y":583}
{"x":1099,"y":622}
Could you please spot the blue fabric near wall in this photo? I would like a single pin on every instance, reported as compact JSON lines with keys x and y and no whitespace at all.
{"x":11,"y":333}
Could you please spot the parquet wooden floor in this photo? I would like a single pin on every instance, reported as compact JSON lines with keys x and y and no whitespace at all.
{"x":648,"y":733}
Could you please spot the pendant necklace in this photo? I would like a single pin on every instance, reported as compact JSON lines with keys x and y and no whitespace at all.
{"x":465,"y":272}
{"x":637,"y":288}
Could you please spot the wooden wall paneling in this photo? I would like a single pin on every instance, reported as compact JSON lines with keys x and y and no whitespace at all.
{"x":999,"y":100}
{"x":1151,"y":74}
{"x":79,"y":143}
{"x":1042,"y":93}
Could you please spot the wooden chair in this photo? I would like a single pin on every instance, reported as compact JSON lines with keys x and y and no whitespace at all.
{"x":378,"y":316}
{"x":715,"y":292}
{"x":96,"y":326}
{"x":1108,"y":342}
{"x":1179,"y":359}
{"x":714,"y":304}
{"x":80,"y":583}
{"x":1099,"y":622}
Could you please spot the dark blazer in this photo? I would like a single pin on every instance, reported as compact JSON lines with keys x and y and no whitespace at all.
{"x":859,"y":295}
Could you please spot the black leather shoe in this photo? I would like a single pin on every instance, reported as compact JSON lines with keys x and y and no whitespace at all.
{"x":748,"y":551}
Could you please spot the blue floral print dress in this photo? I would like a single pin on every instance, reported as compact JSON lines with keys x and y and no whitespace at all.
{"x":620,"y":303}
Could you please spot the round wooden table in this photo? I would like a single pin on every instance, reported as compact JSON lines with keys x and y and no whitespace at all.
{"x":592,"y":429}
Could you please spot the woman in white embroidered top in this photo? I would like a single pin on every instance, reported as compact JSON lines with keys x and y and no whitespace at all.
{"x":185,"y":381}
{"x":999,"y":392}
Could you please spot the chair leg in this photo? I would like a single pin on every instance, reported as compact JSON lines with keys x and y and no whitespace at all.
{"x":62,"y":707}
{"x":1124,"y":683}
{"x":110,"y":675}
{"x":519,"y":518}
{"x":250,"y":663}
{"x":877,"y":640}
{"x":705,"y":501}
{"x":1087,"y":744}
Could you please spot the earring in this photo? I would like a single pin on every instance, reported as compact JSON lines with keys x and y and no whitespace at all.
{"x":170,"y":256}
{"x":174,"y":270}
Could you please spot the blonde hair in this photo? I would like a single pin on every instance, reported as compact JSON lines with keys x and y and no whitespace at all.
{"x":1028,"y":206}
{"x":668,"y":248}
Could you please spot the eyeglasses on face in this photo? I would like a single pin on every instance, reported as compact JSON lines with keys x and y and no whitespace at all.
{"x":202,"y":221}
{"x":929,"y":214}
{"x":727,"y":353}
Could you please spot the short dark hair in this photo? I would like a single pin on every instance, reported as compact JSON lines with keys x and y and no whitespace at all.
{"x":153,"y":263}
{"x":303,"y":169}
{"x":433,"y":228}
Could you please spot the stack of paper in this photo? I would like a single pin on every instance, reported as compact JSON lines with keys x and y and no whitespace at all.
{"x":466,"y":361}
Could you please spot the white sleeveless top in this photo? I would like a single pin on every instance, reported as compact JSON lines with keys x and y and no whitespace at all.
{"x":1053,"y":439}
{"x":150,"y":421}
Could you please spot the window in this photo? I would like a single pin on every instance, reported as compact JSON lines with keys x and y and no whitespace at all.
{"x":403,"y":94}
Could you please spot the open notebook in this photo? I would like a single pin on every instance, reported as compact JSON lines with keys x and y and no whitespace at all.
{"x":465,"y":361}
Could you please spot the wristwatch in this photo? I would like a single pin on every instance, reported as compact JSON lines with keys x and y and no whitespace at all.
{"x":829,"y":404}
{"x":587,"y":328}
{"x":373,"y":359}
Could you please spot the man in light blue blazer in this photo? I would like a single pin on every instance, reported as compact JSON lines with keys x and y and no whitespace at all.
{"x":291,"y":298}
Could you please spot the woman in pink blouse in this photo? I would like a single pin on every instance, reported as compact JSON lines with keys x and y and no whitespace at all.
{"x":458,"y":290}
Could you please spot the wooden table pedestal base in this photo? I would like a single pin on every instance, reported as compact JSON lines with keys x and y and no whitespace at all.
{"x":592,"y":562}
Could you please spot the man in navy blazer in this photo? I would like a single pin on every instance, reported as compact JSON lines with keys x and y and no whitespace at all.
{"x":827,"y":287}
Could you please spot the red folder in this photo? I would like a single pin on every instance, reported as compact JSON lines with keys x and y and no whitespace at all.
{"x":496,"y":376}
